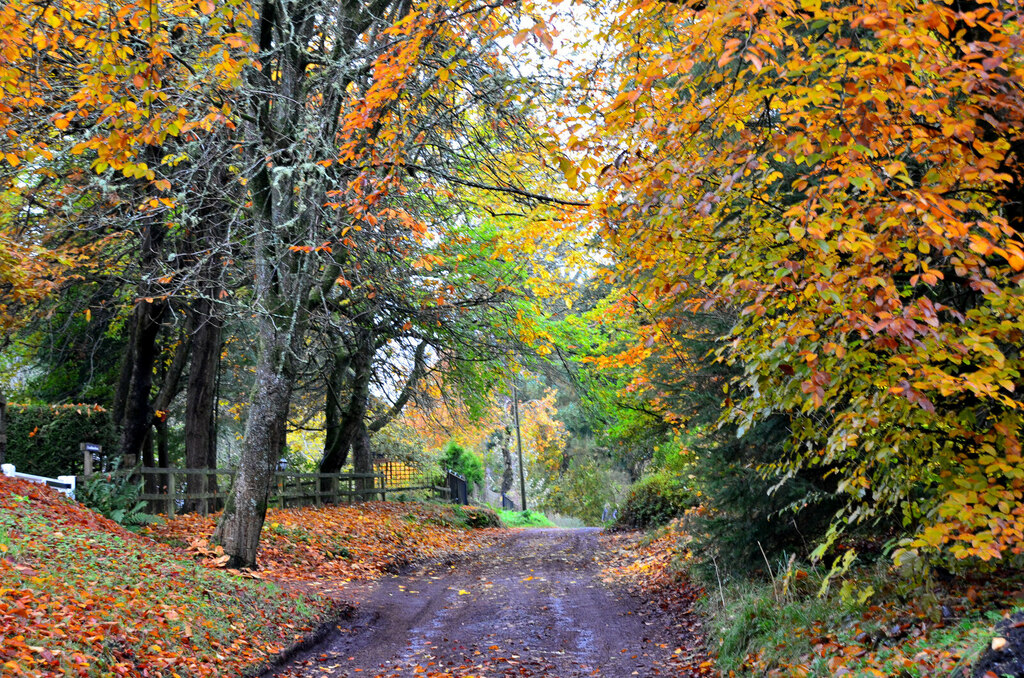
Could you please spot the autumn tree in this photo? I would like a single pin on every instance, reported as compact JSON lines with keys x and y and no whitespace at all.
{"x":408,"y":310}
{"x":849,"y":177}
{"x":99,"y":101}
{"x":352,"y":118}
{"x":28,"y":273}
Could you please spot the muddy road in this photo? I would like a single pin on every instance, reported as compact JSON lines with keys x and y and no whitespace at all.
{"x":534,"y":605}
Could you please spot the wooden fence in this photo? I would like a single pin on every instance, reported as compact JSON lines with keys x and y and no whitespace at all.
{"x":170,"y":491}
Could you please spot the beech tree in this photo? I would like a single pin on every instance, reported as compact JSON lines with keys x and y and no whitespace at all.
{"x":849,"y":176}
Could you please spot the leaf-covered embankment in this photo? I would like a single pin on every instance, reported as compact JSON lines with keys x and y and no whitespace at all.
{"x":80,"y":596}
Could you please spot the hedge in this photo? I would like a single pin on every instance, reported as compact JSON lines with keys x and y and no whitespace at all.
{"x":44,"y":439}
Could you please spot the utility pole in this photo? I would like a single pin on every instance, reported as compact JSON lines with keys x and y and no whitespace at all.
{"x":519,"y":444}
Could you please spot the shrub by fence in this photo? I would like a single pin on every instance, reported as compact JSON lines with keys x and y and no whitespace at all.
{"x":44,"y":439}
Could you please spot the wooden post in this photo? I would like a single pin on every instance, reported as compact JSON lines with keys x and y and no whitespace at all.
{"x":203,"y":505}
{"x":87,"y":450}
{"x":172,"y":499}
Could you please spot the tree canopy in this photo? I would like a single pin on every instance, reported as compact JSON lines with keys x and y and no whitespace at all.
{"x":793,"y":215}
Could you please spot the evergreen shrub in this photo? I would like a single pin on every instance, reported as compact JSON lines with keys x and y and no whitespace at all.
{"x":463,"y":462}
{"x":748,"y":516}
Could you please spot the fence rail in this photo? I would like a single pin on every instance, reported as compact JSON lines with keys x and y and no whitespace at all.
{"x":170,"y":491}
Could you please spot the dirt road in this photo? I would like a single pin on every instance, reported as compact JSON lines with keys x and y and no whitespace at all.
{"x":534,"y":605}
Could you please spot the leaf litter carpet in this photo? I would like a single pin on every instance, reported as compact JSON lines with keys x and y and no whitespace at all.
{"x":538,"y":603}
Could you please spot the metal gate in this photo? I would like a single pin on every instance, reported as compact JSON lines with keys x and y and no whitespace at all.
{"x":458,"y":489}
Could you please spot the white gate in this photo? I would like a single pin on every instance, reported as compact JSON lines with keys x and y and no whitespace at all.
{"x":65,"y":484}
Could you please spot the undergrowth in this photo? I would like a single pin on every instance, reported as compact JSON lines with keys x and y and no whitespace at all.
{"x":874,"y":622}
{"x":795,"y":620}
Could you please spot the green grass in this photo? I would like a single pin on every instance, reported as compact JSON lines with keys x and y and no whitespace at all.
{"x":524,"y":519}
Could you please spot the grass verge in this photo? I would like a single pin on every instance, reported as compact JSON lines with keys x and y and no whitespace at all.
{"x":877,"y":625}
{"x":872,"y":621}
{"x":524,"y":519}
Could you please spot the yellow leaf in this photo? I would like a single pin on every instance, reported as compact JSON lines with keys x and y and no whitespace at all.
{"x":12,"y":159}
{"x":463,"y":592}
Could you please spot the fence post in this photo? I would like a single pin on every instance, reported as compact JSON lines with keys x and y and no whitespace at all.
{"x":201,"y":504}
{"x":458,"y":490}
{"x":172,"y":499}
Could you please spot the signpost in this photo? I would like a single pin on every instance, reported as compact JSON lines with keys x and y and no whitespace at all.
{"x":88,"y":450}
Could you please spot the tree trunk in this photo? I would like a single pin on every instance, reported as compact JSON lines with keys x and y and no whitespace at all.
{"x":201,"y":403}
{"x":284,"y":209}
{"x":352,"y":433}
{"x":336,"y":443}
{"x":137,"y":415}
{"x":507,"y":473}
{"x":149,"y":461}
{"x":148,"y":315}
{"x":362,"y":459}
{"x":3,"y":426}
{"x":246,"y":507}
{"x":124,"y":380}
{"x":282,"y":289}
